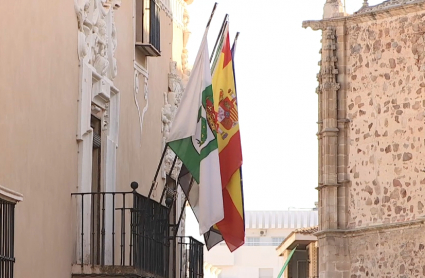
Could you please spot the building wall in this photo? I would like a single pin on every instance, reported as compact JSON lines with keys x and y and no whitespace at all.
{"x":38,"y":121}
{"x":386,"y":111}
{"x":377,"y":202}
{"x":245,"y":261}
{"x":141,"y":146}
{"x":39,"y":95}
{"x":397,"y":252}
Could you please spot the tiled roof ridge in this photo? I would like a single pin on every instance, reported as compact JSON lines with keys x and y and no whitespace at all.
{"x":307,"y":230}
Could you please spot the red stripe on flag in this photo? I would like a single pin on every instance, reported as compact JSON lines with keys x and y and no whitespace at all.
{"x":232,"y":227}
{"x":227,"y":52}
{"x":230,"y":158}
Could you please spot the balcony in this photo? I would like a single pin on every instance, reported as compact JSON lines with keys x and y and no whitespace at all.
{"x":7,"y":226}
{"x":191,"y":258}
{"x":126,"y":234}
{"x":148,"y":30}
{"x":121,"y":233}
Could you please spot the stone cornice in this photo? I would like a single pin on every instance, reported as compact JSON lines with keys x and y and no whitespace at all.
{"x":384,"y":10}
{"x":10,"y":195}
{"x":371,"y":229}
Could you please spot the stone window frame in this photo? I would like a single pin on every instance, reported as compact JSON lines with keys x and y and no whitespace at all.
{"x":97,"y":43}
{"x":98,"y":96}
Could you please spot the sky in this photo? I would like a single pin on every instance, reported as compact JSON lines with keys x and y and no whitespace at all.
{"x":276,"y":63}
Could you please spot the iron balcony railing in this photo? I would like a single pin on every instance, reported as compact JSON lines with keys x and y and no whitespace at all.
{"x":122,"y":229}
{"x":7,"y":226}
{"x":191,"y":254}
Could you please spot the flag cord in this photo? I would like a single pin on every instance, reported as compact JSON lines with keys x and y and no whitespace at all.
{"x":157,"y":171}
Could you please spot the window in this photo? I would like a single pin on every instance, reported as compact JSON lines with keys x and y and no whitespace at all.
{"x":277,"y":240}
{"x":263,"y":241}
{"x":265,"y":273}
{"x":252,"y":241}
{"x":148,"y":27}
{"x":7,"y":226}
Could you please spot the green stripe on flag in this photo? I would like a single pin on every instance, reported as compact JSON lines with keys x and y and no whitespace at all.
{"x":187,"y":153}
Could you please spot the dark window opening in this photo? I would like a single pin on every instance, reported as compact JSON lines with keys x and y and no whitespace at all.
{"x":7,"y":230}
{"x":96,"y":188}
{"x":148,"y":31}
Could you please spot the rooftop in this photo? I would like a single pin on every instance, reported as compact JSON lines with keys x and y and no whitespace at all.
{"x":280,"y":219}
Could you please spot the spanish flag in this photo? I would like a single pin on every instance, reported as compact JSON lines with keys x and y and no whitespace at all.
{"x":232,"y":227}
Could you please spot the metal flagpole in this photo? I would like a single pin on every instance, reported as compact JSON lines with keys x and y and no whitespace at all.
{"x":212,"y":14}
{"x":171,"y":175}
{"x":287,"y":262}
{"x":226,"y":17}
{"x":183,"y":207}
{"x":234,"y":46}
{"x":234,"y":76}
{"x":157,"y":171}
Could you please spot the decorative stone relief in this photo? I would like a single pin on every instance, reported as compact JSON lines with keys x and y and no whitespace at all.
{"x":328,"y":71}
{"x":165,"y":6}
{"x":139,"y":70}
{"x":171,"y":102}
{"x":385,"y":5}
{"x":314,"y":24}
{"x":97,"y":42}
{"x":97,"y":34}
{"x":185,"y":52}
{"x":333,"y":8}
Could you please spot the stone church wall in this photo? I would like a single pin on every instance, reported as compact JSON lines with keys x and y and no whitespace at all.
{"x":395,"y":253}
{"x":385,"y":99}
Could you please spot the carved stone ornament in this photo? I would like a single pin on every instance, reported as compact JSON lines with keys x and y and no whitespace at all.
{"x":333,"y":8}
{"x":185,"y":52}
{"x":97,"y":40}
{"x":172,"y":100}
{"x":385,"y":5}
{"x":328,"y":72}
{"x":138,"y":72}
{"x":314,"y":24}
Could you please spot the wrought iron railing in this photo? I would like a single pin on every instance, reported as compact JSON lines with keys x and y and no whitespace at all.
{"x":150,"y":234}
{"x":123,"y":229}
{"x":191,"y":258}
{"x":7,"y":226}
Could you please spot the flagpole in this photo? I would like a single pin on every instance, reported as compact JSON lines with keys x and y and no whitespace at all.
{"x":212,"y":14}
{"x":157,"y":170}
{"x":171,"y":175}
{"x":287,"y":262}
{"x":234,"y":45}
{"x":219,"y":35}
{"x":183,"y":207}
{"x":236,"y":92}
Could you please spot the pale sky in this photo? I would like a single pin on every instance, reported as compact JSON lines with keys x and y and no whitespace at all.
{"x":276,"y":66}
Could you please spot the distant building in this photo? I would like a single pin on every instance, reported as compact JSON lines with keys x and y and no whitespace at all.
{"x":265,"y":230}
{"x":304,"y":261}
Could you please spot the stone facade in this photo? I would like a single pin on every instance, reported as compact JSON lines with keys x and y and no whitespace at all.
{"x":371,"y":141}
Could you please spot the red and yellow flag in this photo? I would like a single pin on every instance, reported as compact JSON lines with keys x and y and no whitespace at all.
{"x":232,"y":227}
